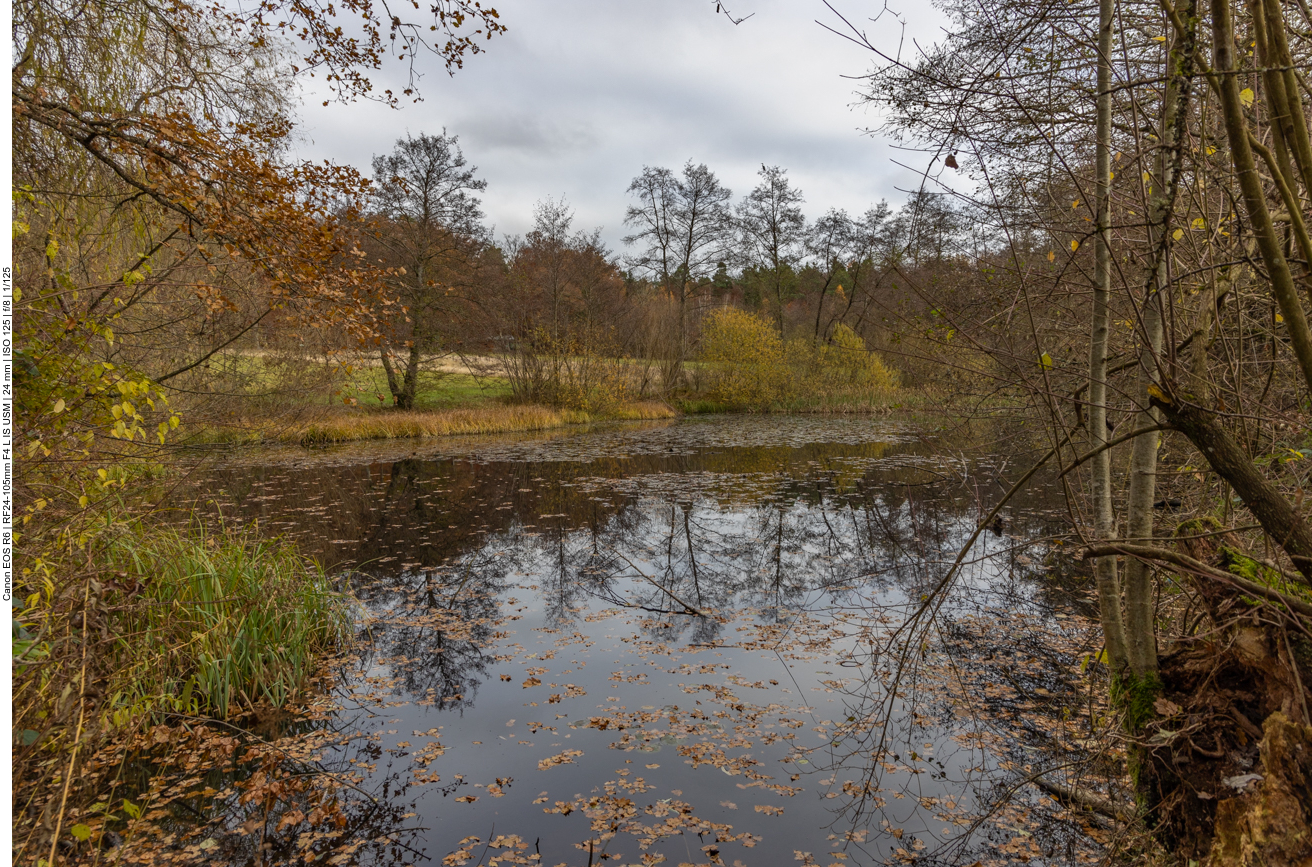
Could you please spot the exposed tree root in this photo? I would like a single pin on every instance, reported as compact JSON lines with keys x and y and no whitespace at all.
{"x":1221,"y":766}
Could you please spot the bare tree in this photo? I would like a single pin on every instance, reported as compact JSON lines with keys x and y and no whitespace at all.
{"x":429,"y":222}
{"x":831,"y":242}
{"x":771,"y":230}
{"x":683,"y":221}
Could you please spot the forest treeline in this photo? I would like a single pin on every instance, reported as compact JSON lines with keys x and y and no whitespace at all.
{"x":549,"y":299}
{"x":1109,"y":242}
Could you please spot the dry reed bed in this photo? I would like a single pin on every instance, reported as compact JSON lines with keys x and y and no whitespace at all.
{"x":483,"y":420}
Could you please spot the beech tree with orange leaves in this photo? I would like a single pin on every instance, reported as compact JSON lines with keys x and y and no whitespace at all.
{"x":159,"y":215}
{"x":160,"y":219}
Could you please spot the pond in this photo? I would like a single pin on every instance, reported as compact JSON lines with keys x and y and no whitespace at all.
{"x":714,"y":640}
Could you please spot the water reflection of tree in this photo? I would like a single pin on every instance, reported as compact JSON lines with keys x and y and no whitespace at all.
{"x":569,"y":569}
{"x":440,"y":621}
{"x":938,"y":684}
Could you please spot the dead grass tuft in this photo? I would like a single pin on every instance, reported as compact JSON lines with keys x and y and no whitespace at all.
{"x":482,"y":420}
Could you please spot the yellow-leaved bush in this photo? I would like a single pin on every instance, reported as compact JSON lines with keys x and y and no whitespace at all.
{"x":750,"y":367}
{"x":745,"y":356}
{"x":846,"y":365}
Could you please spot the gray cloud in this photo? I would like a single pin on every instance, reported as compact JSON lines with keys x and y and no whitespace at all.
{"x":581,"y":94}
{"x":536,"y":137}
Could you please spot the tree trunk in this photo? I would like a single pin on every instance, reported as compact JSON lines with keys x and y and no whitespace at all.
{"x":1139,"y":604}
{"x":1289,"y":105}
{"x":1104,"y":521}
{"x":1140,"y":625}
{"x":1250,"y":185}
{"x":406,"y":400}
{"x":819,"y":310}
{"x":392,"y":385}
{"x":1278,"y":517}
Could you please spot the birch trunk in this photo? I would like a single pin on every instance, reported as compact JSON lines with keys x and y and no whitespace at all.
{"x":1140,"y":626}
{"x":1104,"y":521}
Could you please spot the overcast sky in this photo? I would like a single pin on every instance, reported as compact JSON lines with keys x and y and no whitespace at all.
{"x":579,"y":95}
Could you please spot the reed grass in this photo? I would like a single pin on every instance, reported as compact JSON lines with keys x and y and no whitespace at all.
{"x":482,"y":420}
{"x":213,"y":623}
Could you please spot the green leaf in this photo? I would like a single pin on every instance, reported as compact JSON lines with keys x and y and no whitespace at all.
{"x":82,"y":832}
{"x":29,"y":737}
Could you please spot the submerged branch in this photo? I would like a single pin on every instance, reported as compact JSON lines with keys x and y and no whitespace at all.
{"x":1072,"y":797}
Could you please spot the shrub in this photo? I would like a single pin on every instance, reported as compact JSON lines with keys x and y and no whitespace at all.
{"x":846,"y":365}
{"x":749,"y":367}
{"x":746,"y":358}
{"x":578,"y":372}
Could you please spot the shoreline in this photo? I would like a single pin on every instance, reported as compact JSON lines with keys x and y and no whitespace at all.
{"x":522,"y":418}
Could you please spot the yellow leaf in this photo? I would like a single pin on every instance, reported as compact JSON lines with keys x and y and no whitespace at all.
{"x":59,"y":406}
{"x":1075,"y":245}
{"x":1178,"y":234}
{"x":1159,"y":39}
{"x":1246,"y":97}
{"x":1279,"y":318}
{"x":1075,"y":204}
{"x":1199,"y":223}
{"x":1051,"y":255}
{"x":1045,"y":361}
{"x":82,"y":501}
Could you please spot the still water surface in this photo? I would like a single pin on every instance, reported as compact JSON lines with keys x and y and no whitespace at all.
{"x":672,"y":641}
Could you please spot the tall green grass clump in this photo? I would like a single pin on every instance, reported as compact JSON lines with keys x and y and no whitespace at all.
{"x":215,"y":623}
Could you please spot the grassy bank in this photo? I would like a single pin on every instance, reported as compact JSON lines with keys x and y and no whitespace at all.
{"x":353,"y":426}
{"x":480,"y":420}
{"x":745,"y":368}
{"x":524,"y":418}
{"x":155,"y":626}
{"x":193,"y":622}
{"x":902,"y":400}
{"x":221,"y":621}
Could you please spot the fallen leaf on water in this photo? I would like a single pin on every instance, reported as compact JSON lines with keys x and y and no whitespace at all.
{"x":565,"y":758}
